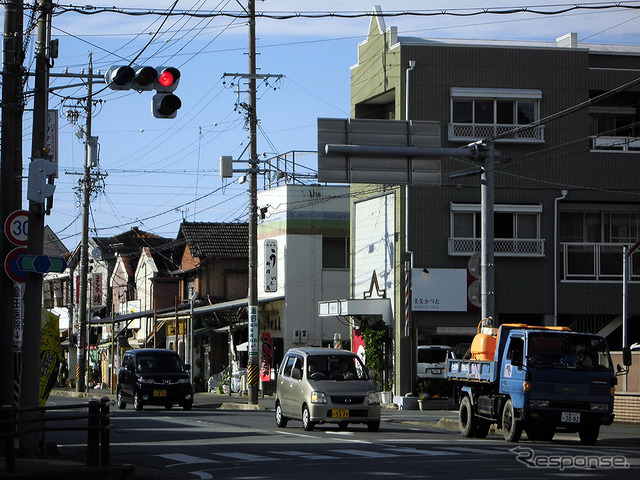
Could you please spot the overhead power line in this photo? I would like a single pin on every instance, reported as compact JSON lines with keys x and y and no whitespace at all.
{"x":455,"y":12}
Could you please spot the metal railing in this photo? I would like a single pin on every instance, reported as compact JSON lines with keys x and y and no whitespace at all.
{"x":504,"y":247}
{"x":474,"y":131}
{"x":13,"y":423}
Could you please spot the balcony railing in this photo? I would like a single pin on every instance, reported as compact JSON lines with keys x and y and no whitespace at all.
{"x":617,"y":144}
{"x":595,"y":262}
{"x":503,"y":247}
{"x":473,"y":131}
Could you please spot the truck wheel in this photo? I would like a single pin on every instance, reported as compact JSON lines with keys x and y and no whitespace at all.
{"x":482,"y":429}
{"x":589,"y":434}
{"x":511,"y":428}
{"x":466,"y":418}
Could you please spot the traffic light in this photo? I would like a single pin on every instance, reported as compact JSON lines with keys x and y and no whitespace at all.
{"x":39,"y":188}
{"x":119,"y":77}
{"x":164,"y":80}
{"x":164,"y":103}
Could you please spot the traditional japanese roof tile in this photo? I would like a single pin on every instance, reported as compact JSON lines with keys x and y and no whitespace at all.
{"x":217,"y":240}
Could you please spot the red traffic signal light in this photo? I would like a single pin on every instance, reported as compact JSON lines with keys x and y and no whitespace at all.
{"x":168,"y":79}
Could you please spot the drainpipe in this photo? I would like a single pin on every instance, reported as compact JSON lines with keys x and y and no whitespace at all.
{"x":555,"y":257}
{"x":408,"y":266}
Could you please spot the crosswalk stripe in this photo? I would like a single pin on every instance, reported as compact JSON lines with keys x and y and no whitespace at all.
{"x":482,"y":451}
{"x":364,"y":453}
{"x":183,"y":459}
{"x":249,"y":457}
{"x":417,"y":451}
{"x":305,"y":455}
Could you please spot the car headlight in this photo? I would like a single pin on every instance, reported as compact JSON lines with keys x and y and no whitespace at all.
{"x":373,"y":398}
{"x":318,"y":397}
{"x":538,"y":403}
{"x":602,"y":407}
{"x":145,"y":380}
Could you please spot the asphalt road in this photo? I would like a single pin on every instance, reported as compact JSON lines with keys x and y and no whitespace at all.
{"x":209,"y":442}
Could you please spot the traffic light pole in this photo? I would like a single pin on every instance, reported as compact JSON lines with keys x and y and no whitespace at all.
{"x":30,"y":377}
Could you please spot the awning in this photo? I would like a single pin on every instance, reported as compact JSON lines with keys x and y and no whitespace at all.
{"x":183,"y":310}
{"x":357,"y":307}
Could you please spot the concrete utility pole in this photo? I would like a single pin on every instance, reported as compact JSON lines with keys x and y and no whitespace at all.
{"x":29,"y":384}
{"x":84,"y":245}
{"x":252,"y":366}
{"x":10,"y":178}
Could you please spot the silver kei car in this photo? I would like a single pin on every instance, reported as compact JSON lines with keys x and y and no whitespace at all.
{"x":323,"y":385}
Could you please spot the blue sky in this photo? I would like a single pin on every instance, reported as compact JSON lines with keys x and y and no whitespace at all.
{"x":161,"y":171}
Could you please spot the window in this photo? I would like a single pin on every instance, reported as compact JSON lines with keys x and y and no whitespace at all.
{"x":615,"y":125}
{"x":486,"y":112}
{"x":516,"y":230}
{"x":591,"y":244}
{"x":335,"y":252}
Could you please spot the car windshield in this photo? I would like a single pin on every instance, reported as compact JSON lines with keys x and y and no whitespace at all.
{"x":432,"y":355}
{"x":553,"y":350}
{"x":335,"y":367}
{"x":159,"y":364}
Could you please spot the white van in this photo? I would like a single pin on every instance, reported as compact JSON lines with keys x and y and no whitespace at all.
{"x":432,"y":360}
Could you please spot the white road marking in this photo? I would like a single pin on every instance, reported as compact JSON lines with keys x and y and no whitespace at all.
{"x":183,"y":459}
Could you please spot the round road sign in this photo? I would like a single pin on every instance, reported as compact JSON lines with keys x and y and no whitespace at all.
{"x":16,"y":227}
{"x":14,"y":272}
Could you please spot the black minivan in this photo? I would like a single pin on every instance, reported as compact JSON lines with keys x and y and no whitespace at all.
{"x":153,"y":376}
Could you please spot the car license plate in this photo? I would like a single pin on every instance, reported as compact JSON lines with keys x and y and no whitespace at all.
{"x":159,"y":393}
{"x":340,"y":413}
{"x":436,"y":371}
{"x":570,"y":417}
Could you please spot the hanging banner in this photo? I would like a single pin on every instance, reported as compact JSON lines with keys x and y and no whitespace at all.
{"x":50,"y":354}
{"x":267,"y":355}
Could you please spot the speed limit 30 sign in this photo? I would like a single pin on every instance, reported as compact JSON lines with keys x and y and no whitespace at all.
{"x":16,"y":227}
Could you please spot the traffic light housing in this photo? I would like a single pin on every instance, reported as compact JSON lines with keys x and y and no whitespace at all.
{"x":39,"y":188}
{"x":119,"y":77}
{"x":164,"y":103}
{"x":164,"y":80}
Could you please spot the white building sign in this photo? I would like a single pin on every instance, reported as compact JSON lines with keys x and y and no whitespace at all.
{"x":443,"y":289}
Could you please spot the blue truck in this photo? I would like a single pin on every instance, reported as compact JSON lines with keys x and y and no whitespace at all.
{"x":539,"y":380}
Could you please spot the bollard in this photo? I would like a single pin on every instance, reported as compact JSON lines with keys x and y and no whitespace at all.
{"x":105,"y":431}
{"x":8,"y":427}
{"x":93,"y":435}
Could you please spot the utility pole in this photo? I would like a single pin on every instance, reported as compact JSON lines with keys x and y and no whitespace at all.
{"x":11,"y":180}
{"x":252,"y":366}
{"x":84,"y":245}
{"x":29,"y":384}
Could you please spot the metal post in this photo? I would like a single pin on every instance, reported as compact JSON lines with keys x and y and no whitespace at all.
{"x":84,"y":245}
{"x":487,"y":265}
{"x":252,"y":366}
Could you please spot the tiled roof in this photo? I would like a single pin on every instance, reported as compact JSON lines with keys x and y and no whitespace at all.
{"x":216,"y":239}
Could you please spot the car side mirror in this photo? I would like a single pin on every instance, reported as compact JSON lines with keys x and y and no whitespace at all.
{"x":626,"y":356}
{"x":296,"y":374}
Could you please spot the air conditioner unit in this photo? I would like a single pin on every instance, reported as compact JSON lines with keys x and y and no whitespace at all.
{"x":303,"y":336}
{"x":296,"y":335}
